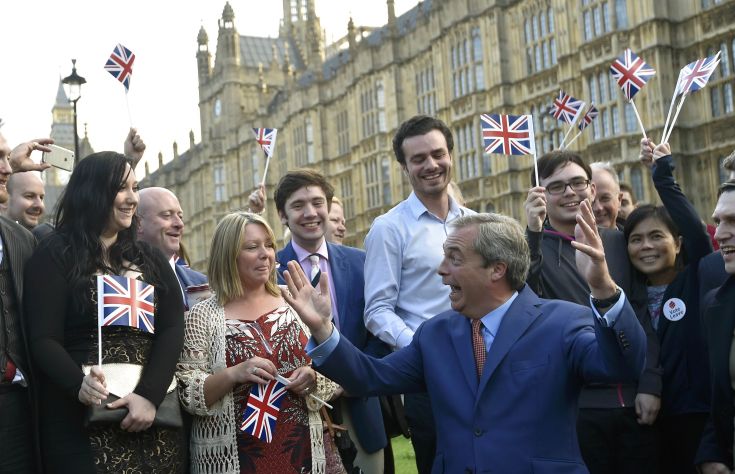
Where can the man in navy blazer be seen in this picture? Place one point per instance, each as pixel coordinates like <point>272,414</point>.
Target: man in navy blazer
<point>513,408</point>
<point>161,224</point>
<point>303,199</point>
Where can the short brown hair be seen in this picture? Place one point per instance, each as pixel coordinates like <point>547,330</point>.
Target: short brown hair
<point>297,179</point>
<point>554,160</point>
<point>416,126</point>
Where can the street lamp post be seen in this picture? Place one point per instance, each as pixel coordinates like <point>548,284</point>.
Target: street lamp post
<point>73,83</point>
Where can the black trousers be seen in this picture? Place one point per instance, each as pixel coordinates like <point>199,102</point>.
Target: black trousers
<point>612,442</point>
<point>680,436</point>
<point>423,431</point>
<point>16,437</point>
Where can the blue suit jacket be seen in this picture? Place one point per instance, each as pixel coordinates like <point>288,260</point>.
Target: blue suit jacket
<point>188,277</point>
<point>520,417</point>
<point>346,267</point>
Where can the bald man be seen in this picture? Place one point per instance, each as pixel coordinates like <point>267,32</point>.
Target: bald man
<point>162,226</point>
<point>26,205</point>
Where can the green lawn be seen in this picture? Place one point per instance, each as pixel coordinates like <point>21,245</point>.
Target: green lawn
<point>403,455</point>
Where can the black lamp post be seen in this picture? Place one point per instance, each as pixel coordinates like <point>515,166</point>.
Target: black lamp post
<point>73,83</point>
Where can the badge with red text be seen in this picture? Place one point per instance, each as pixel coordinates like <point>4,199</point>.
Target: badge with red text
<point>674,309</point>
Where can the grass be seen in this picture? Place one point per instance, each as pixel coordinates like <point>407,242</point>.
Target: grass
<point>405,460</point>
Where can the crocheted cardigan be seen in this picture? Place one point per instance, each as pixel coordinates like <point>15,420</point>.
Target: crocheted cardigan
<point>213,434</point>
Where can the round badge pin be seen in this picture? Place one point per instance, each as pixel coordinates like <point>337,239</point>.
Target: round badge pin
<point>674,309</point>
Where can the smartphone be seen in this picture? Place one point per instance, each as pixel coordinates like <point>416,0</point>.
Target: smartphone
<point>59,157</point>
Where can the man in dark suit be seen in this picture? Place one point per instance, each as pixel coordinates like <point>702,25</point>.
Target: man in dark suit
<point>512,408</point>
<point>715,454</point>
<point>162,226</point>
<point>303,198</point>
<point>16,246</point>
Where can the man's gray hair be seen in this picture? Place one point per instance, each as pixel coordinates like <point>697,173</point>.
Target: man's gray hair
<point>606,166</point>
<point>728,163</point>
<point>500,239</point>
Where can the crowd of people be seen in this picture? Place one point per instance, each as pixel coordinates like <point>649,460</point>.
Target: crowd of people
<point>597,339</point>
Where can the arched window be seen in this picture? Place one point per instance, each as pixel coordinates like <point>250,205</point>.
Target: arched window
<point>636,182</point>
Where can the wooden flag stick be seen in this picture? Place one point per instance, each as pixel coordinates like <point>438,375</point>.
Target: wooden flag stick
<point>665,138</point>
<point>100,317</point>
<point>265,171</point>
<point>571,127</point>
<point>535,167</point>
<point>671,107</point>
<point>638,116</point>
<point>127,103</point>
<point>574,138</point>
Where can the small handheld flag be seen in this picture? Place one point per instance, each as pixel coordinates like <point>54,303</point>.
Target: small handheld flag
<point>692,77</point>
<point>508,134</point>
<point>262,410</point>
<point>123,301</point>
<point>584,122</point>
<point>120,64</point>
<point>266,138</point>
<point>631,73</point>
<point>588,117</point>
<point>566,108</point>
<point>126,302</point>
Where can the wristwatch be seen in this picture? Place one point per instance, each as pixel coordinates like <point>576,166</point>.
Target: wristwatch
<point>607,302</point>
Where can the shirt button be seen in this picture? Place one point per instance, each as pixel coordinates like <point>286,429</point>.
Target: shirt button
<point>478,432</point>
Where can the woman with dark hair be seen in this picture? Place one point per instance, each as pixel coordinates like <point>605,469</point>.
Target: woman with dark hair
<point>665,245</point>
<point>95,235</point>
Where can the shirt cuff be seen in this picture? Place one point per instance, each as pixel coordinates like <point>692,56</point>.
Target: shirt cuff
<point>404,338</point>
<point>611,315</point>
<point>320,352</point>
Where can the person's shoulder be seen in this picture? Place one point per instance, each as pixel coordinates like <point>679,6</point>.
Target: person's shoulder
<point>18,230</point>
<point>346,251</point>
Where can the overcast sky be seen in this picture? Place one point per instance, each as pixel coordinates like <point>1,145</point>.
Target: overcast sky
<point>39,38</point>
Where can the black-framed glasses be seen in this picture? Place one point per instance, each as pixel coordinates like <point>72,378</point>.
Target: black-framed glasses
<point>558,187</point>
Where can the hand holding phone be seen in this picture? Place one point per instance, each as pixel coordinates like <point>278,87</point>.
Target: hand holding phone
<point>60,157</point>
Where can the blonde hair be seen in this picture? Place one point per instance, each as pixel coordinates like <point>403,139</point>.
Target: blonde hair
<point>224,279</point>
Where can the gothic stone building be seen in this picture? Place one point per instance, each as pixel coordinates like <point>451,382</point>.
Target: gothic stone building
<point>337,106</point>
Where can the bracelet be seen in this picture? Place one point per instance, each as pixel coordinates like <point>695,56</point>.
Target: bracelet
<point>604,303</point>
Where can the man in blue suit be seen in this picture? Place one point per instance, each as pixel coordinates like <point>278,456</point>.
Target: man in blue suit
<point>303,198</point>
<point>162,225</point>
<point>504,367</point>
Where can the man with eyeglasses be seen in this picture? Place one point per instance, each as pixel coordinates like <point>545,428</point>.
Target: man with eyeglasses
<point>614,424</point>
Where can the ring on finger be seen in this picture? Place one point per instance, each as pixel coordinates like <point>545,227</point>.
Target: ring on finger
<point>253,370</point>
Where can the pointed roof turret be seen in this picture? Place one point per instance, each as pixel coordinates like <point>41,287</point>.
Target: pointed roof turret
<point>61,98</point>
<point>228,14</point>
<point>202,37</point>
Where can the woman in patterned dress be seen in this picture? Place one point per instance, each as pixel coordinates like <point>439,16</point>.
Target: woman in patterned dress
<point>245,335</point>
<point>95,234</point>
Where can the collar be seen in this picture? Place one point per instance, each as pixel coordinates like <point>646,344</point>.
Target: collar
<point>492,320</point>
<point>418,209</point>
<point>302,254</point>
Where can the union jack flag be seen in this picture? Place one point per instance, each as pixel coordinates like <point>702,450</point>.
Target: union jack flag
<point>120,64</point>
<point>125,301</point>
<point>631,73</point>
<point>566,108</point>
<point>266,137</point>
<point>694,76</point>
<point>591,114</point>
<point>508,134</point>
<point>261,412</point>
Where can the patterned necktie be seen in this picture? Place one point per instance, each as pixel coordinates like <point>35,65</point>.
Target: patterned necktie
<point>315,271</point>
<point>478,346</point>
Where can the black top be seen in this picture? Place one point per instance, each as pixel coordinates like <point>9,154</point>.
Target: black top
<point>683,351</point>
